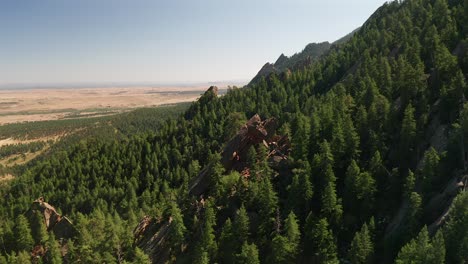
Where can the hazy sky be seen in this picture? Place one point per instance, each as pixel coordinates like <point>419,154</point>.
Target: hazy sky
<point>172,41</point>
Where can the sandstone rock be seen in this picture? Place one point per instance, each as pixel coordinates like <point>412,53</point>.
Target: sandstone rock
<point>54,222</point>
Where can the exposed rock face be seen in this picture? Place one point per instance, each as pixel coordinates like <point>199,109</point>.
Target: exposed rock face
<point>54,222</point>
<point>438,207</point>
<point>212,90</point>
<point>151,236</point>
<point>254,132</point>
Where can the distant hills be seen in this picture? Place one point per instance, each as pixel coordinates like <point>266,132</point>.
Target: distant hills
<point>309,54</point>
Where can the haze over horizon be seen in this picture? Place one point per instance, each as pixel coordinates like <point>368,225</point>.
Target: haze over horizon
<point>144,41</point>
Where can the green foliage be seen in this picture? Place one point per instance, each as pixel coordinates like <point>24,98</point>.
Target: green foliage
<point>248,255</point>
<point>292,233</point>
<point>177,228</point>
<point>362,247</point>
<point>323,243</point>
<point>22,234</point>
<point>456,230</point>
<point>423,250</point>
<point>54,256</point>
<point>141,257</point>
<point>359,120</point>
<point>38,228</point>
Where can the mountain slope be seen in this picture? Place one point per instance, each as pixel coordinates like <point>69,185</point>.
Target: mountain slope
<point>300,60</point>
<point>297,61</point>
<point>377,130</point>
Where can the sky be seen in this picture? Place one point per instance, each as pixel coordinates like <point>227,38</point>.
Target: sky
<point>163,42</point>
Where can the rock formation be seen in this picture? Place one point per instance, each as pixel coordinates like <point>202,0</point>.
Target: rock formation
<point>151,234</point>
<point>233,156</point>
<point>54,222</point>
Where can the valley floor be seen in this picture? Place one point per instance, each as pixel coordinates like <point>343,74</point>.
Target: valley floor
<point>64,103</point>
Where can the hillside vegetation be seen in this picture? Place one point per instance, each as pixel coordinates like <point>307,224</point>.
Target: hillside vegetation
<point>360,157</point>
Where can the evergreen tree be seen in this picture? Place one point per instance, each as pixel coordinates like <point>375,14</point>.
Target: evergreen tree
<point>324,246</point>
<point>22,232</point>
<point>407,137</point>
<point>54,256</point>
<point>280,250</point>
<point>227,243</point>
<point>38,228</point>
<point>177,228</point>
<point>141,257</point>
<point>331,204</point>
<point>293,234</point>
<point>430,169</point>
<point>362,247</point>
<point>248,254</point>
<point>241,225</point>
<point>421,250</point>
<point>456,230</point>
<point>206,245</point>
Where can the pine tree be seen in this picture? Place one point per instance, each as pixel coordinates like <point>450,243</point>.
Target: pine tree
<point>141,257</point>
<point>324,246</point>
<point>293,234</point>
<point>300,138</point>
<point>248,254</point>
<point>430,169</point>
<point>331,204</point>
<point>437,254</point>
<point>227,243</point>
<point>177,228</point>
<point>409,185</point>
<point>280,250</point>
<point>22,232</point>
<point>456,230</point>
<point>38,228</point>
<point>241,225</point>
<point>300,190</point>
<point>362,247</point>
<point>206,244</point>
<point>54,256</point>
<point>407,137</point>
<point>421,251</point>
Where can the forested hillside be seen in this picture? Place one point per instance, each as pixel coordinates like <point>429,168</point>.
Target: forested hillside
<point>360,157</point>
<point>298,61</point>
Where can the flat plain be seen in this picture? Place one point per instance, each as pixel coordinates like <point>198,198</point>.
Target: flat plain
<point>24,105</point>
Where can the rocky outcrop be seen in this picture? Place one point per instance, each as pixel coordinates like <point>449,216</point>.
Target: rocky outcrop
<point>254,132</point>
<point>233,156</point>
<point>54,222</point>
<point>438,208</point>
<point>151,236</point>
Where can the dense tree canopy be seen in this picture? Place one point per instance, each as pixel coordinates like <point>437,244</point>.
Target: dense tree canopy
<point>378,127</point>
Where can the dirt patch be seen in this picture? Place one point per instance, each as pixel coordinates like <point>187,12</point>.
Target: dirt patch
<point>20,159</point>
<point>6,177</point>
<point>12,141</point>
